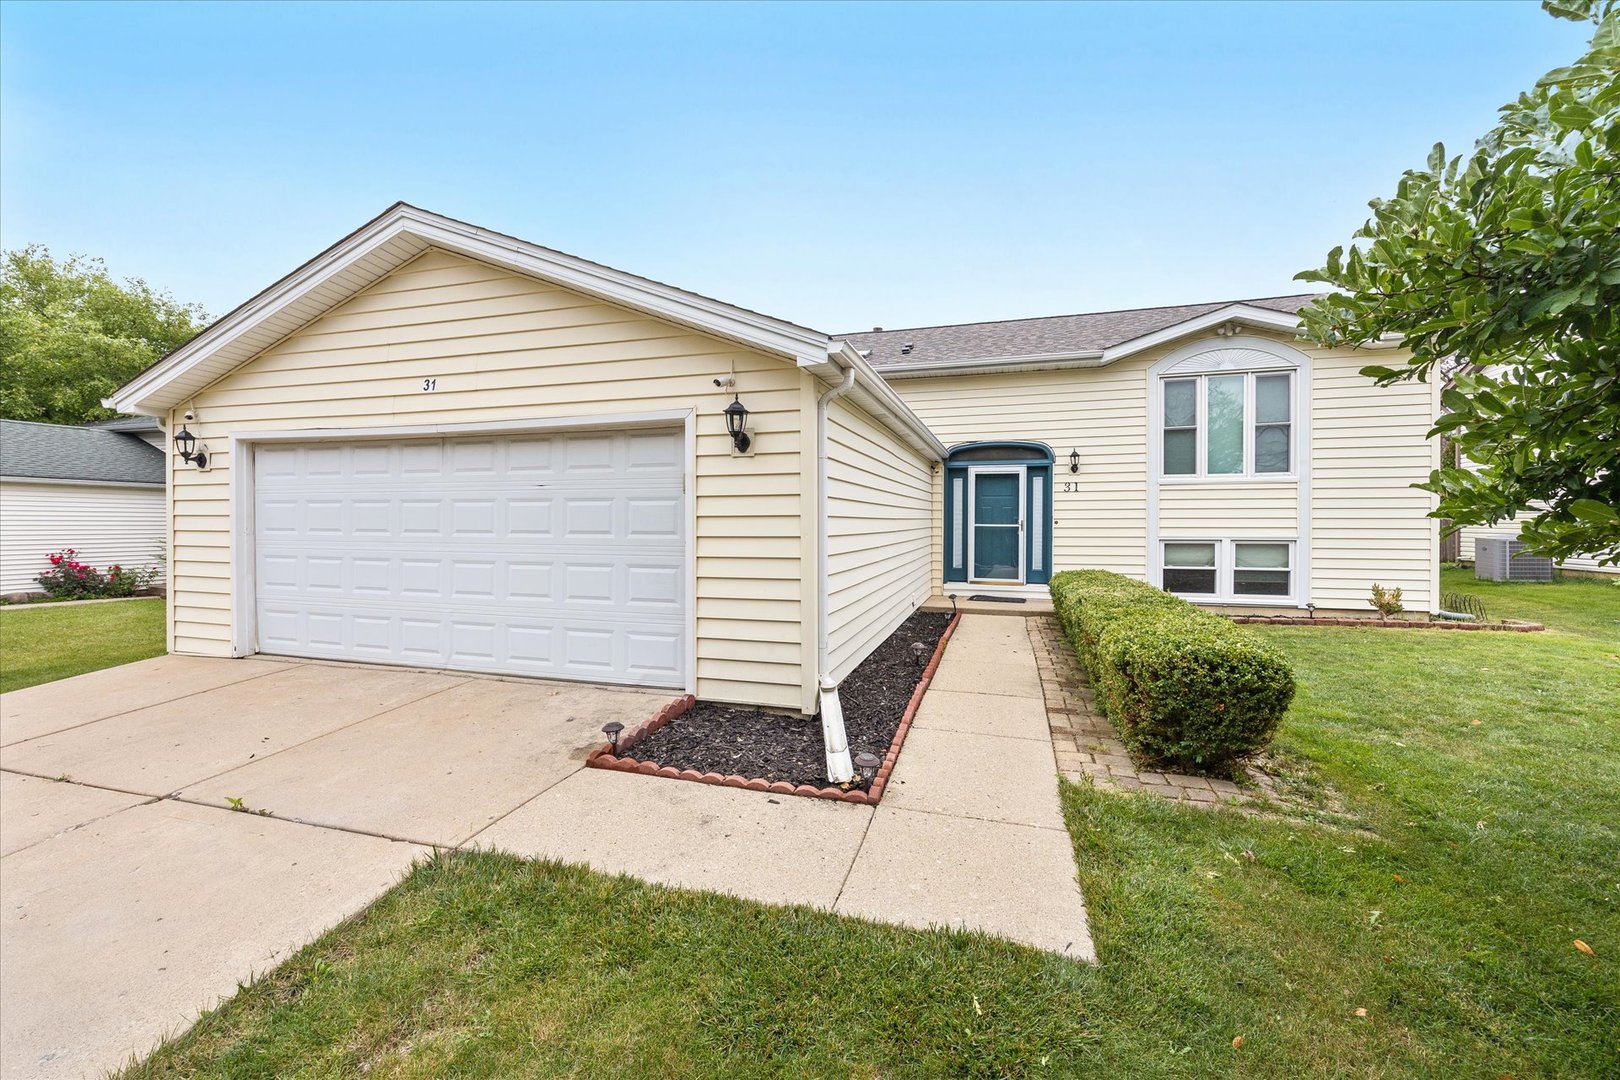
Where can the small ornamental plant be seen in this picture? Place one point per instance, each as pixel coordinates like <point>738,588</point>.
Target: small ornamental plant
<point>70,579</point>
<point>1386,602</point>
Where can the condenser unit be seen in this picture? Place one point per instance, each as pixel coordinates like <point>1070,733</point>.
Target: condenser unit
<point>1501,558</point>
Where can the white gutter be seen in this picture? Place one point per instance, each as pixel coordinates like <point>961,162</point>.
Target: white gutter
<point>839,768</point>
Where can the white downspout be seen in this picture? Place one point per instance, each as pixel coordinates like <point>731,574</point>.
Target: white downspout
<point>839,768</point>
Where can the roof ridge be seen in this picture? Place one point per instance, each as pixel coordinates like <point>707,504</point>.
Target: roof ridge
<point>1074,315</point>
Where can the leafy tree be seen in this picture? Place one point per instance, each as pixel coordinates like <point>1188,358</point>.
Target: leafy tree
<point>70,335</point>
<point>1508,261</point>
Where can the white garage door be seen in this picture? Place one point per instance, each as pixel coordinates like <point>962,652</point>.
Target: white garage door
<point>555,555</point>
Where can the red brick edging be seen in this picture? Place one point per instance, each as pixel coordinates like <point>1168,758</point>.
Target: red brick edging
<point>604,758</point>
<point>1397,624</point>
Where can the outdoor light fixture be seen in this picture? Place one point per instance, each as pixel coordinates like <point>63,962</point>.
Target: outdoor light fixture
<point>736,417</point>
<point>185,444</point>
<point>918,651</point>
<point>1074,461</point>
<point>611,729</point>
<point>866,766</point>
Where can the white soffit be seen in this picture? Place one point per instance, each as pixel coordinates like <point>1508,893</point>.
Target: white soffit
<point>392,239</point>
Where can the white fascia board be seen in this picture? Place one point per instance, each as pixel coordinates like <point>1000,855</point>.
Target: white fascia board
<point>1260,318</point>
<point>168,377</point>
<point>877,397</point>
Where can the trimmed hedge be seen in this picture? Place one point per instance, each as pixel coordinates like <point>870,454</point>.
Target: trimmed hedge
<point>1185,687</point>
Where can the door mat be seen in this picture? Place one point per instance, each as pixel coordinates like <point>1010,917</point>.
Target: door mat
<point>999,599</point>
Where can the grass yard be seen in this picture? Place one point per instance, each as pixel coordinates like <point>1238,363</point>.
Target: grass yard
<point>40,643</point>
<point>1446,909</point>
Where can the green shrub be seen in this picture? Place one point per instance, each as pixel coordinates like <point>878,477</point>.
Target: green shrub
<point>1185,687</point>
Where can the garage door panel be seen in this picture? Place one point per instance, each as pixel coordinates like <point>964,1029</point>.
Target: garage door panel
<point>568,646</point>
<point>557,555</point>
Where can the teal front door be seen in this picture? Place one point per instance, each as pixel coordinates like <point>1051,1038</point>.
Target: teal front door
<point>996,530</point>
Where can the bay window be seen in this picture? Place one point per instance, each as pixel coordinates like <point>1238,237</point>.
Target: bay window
<point>1219,424</point>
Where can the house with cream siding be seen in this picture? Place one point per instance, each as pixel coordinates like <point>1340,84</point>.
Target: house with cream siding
<point>439,446</point>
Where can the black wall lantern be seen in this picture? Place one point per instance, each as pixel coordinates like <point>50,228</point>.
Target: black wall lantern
<point>185,444</point>
<point>736,417</point>
<point>1074,461</point>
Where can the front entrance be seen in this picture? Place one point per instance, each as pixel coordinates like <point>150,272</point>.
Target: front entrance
<point>998,499</point>
<point>996,529</point>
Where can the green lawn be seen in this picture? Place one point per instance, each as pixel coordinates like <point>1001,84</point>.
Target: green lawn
<point>39,644</point>
<point>1447,911</point>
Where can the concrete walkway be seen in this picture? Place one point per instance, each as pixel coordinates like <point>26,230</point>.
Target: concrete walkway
<point>132,897</point>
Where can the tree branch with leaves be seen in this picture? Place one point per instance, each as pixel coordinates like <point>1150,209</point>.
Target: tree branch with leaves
<point>1500,270</point>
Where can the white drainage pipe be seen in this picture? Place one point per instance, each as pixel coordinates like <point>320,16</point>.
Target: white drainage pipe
<point>839,768</point>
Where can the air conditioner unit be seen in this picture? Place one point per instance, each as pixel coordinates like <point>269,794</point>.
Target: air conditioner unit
<point>1501,558</point>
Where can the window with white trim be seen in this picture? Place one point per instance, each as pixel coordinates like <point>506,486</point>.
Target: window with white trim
<point>1228,424</point>
<point>1190,567</point>
<point>1239,570</point>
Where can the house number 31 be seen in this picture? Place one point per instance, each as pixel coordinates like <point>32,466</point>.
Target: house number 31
<point>429,385</point>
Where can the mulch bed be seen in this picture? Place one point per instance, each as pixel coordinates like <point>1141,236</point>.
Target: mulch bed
<point>734,741</point>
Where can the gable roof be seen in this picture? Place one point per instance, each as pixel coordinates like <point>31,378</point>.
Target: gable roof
<point>64,452</point>
<point>1089,336</point>
<point>393,238</point>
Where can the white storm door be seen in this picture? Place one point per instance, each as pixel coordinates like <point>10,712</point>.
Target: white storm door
<point>560,555</point>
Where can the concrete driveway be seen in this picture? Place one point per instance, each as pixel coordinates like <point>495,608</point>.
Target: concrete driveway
<point>133,896</point>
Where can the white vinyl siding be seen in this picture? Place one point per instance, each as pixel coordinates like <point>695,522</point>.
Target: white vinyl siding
<point>506,349</point>
<point>1368,523</point>
<point>107,524</point>
<point>1367,447</point>
<point>1098,515</point>
<point>879,530</point>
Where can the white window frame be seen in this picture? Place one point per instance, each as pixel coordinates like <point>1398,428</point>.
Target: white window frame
<point>1239,352</point>
<point>1226,570</point>
<point>1250,427</point>
<point>1220,559</point>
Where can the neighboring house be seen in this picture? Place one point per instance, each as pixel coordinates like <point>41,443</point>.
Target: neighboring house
<point>97,489</point>
<point>441,446</point>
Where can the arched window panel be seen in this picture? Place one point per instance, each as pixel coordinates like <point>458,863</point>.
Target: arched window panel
<point>1229,411</point>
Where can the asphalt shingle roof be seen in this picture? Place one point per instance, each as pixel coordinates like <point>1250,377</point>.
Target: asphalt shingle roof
<point>64,452</point>
<point>1061,334</point>
<point>128,423</point>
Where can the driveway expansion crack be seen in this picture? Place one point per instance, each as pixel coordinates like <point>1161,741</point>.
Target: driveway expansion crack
<point>62,779</point>
<point>850,869</point>
<point>279,668</point>
<point>273,816</point>
<point>1059,827</point>
<point>470,837</point>
<point>322,735</point>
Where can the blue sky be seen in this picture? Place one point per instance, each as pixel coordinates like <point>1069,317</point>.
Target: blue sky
<point>843,166</point>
